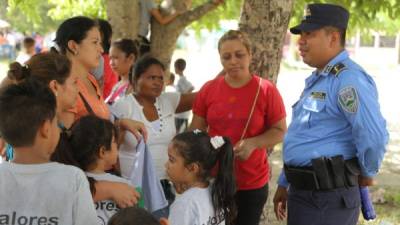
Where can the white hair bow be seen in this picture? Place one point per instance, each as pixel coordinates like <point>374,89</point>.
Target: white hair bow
<point>217,141</point>
<point>196,131</point>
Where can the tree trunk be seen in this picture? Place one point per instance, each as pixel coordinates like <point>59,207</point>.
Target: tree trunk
<point>123,16</point>
<point>163,37</point>
<point>266,23</point>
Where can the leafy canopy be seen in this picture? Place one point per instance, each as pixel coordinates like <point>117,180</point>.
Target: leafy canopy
<point>45,15</point>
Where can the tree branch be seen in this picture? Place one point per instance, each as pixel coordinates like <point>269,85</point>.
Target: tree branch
<point>192,15</point>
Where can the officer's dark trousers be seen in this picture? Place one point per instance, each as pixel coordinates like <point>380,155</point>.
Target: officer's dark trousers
<point>250,204</point>
<point>337,207</point>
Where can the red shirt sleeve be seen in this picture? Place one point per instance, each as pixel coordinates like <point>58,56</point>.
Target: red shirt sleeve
<point>200,102</point>
<point>275,110</point>
<point>110,79</point>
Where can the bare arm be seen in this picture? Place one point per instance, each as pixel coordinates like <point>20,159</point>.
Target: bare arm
<point>137,128</point>
<point>163,19</point>
<point>190,90</point>
<point>268,139</point>
<point>272,136</point>
<point>186,102</point>
<point>123,194</point>
<point>198,122</point>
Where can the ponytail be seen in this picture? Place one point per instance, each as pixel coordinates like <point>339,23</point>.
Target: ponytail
<point>43,67</point>
<point>212,153</point>
<point>55,50</point>
<point>224,187</point>
<point>63,154</point>
<point>18,72</point>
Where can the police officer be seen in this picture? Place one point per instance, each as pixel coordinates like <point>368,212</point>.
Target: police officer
<point>337,137</point>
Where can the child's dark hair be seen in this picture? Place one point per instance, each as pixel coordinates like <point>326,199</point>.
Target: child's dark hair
<point>28,42</point>
<point>142,65</point>
<point>144,45</point>
<point>127,46</point>
<point>106,34</point>
<point>88,135</point>
<point>196,147</point>
<point>43,67</point>
<point>23,109</point>
<point>75,29</point>
<point>180,64</point>
<point>133,216</point>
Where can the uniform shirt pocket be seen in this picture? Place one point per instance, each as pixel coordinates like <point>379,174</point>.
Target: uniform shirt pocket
<point>314,110</point>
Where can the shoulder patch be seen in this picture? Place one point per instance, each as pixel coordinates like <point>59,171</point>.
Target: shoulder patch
<point>348,99</point>
<point>337,69</point>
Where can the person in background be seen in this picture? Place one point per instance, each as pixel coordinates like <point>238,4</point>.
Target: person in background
<point>183,86</point>
<point>169,85</point>
<point>148,10</point>
<point>336,140</point>
<point>109,77</point>
<point>123,55</point>
<point>28,50</point>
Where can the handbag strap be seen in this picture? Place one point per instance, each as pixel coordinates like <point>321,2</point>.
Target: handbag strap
<point>252,108</point>
<point>87,106</point>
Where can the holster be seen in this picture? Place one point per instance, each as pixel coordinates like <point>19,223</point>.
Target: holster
<point>326,173</point>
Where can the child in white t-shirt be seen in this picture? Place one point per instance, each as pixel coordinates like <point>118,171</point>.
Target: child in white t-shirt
<point>192,158</point>
<point>93,145</point>
<point>34,190</point>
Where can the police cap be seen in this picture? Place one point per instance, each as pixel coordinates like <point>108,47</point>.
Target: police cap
<point>320,15</point>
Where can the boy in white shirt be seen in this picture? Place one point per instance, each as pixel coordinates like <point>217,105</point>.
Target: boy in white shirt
<point>28,50</point>
<point>183,86</point>
<point>34,190</point>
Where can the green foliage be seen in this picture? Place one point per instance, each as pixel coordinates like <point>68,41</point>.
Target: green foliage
<point>68,8</point>
<point>365,15</point>
<point>31,16</point>
<point>45,15</point>
<point>230,10</point>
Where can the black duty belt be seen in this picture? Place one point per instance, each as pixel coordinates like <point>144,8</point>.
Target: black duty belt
<point>326,173</point>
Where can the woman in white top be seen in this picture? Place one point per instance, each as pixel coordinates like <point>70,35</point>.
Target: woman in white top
<point>155,109</point>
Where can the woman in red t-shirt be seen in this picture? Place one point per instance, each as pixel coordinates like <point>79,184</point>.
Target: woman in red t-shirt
<point>250,111</point>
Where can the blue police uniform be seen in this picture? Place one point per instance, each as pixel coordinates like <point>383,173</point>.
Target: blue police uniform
<point>338,114</point>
